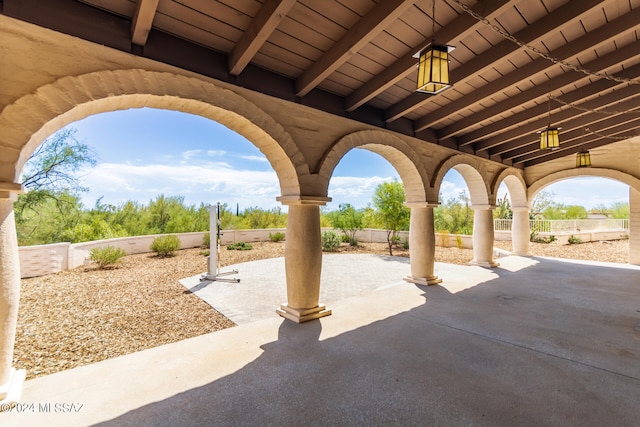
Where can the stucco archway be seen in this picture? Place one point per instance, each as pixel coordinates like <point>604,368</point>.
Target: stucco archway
<point>617,175</point>
<point>28,121</point>
<point>401,156</point>
<point>471,171</point>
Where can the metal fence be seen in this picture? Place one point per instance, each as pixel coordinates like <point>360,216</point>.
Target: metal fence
<point>566,225</point>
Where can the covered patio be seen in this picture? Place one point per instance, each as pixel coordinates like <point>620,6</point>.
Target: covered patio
<point>538,341</point>
<point>306,82</point>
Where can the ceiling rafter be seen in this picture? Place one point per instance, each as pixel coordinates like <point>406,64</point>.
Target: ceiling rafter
<point>564,15</point>
<point>581,141</point>
<point>142,21</point>
<point>379,18</point>
<point>459,28</point>
<point>261,27</point>
<point>587,42</point>
<point>567,120</point>
<point>504,141</point>
<point>535,93</point>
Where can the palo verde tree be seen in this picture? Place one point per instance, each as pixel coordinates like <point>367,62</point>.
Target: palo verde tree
<point>392,214</point>
<point>51,178</point>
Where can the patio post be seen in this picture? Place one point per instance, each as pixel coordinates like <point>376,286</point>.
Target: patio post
<point>303,260</point>
<point>11,380</point>
<point>422,245</point>
<point>520,231</point>
<point>483,236</point>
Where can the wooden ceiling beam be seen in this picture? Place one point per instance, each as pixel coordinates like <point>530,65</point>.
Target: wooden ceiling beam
<point>556,20</point>
<point>590,41</point>
<point>260,29</point>
<point>142,21</point>
<point>459,28</point>
<point>629,128</point>
<point>530,144</point>
<point>358,36</point>
<point>615,100</point>
<point>489,136</point>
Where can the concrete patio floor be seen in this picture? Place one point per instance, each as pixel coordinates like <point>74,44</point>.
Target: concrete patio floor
<point>536,341</point>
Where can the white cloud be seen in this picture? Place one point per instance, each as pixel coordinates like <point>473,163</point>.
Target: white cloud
<point>216,153</point>
<point>254,158</point>
<point>356,191</point>
<point>213,181</point>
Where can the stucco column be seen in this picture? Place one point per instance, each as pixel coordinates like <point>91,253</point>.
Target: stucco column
<point>520,231</point>
<point>11,380</point>
<point>634,226</point>
<point>422,245</point>
<point>303,261</point>
<point>483,236</point>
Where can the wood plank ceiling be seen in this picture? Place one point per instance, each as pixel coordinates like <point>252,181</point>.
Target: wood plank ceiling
<point>517,67</point>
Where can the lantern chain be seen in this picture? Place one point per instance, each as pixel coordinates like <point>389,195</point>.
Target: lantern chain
<point>507,35</point>
<point>589,110</point>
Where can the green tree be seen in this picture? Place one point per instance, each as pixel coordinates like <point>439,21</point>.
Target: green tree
<point>620,210</point>
<point>455,216</point>
<point>388,200</point>
<point>348,220</point>
<point>51,178</point>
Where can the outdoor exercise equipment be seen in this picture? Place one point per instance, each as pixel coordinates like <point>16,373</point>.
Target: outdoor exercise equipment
<point>214,274</point>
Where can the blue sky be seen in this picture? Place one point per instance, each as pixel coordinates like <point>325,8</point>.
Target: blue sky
<point>142,153</point>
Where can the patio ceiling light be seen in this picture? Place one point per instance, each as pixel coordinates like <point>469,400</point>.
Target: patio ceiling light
<point>433,63</point>
<point>583,159</point>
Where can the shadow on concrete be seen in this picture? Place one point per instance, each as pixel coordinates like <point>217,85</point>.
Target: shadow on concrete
<point>555,343</point>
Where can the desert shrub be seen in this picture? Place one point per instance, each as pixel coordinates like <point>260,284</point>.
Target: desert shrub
<point>206,252</point>
<point>206,240</point>
<point>405,245</point>
<point>106,256</point>
<point>278,236</point>
<point>459,242</point>
<point>549,239</point>
<point>165,246</point>
<point>330,241</point>
<point>240,246</point>
<point>445,239</point>
<point>574,240</point>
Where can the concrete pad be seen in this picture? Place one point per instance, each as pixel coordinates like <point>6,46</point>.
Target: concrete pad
<point>535,342</point>
<point>262,286</point>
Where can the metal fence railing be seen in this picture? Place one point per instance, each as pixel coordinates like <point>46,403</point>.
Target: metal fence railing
<point>567,225</point>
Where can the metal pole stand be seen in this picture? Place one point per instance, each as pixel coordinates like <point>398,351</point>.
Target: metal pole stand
<point>214,272</point>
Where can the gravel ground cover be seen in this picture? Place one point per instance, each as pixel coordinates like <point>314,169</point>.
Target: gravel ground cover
<point>85,315</point>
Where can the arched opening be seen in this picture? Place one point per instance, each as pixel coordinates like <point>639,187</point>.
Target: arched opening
<point>88,315</point>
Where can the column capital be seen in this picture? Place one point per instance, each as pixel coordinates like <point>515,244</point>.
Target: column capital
<point>483,207</point>
<point>303,200</point>
<point>10,190</point>
<point>422,204</point>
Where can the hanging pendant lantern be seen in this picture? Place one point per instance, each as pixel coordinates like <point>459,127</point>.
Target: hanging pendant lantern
<point>433,63</point>
<point>550,138</point>
<point>433,69</point>
<point>583,159</point>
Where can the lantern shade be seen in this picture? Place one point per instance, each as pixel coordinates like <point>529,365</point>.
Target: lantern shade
<point>433,69</point>
<point>549,139</point>
<point>583,159</point>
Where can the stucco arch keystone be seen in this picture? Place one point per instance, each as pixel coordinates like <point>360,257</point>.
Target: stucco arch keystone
<point>516,185</point>
<point>26,123</point>
<point>396,151</point>
<point>617,175</point>
<point>474,175</point>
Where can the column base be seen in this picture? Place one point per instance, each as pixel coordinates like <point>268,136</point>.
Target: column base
<point>11,391</point>
<point>486,264</point>
<point>527,254</point>
<point>303,315</point>
<point>431,280</point>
